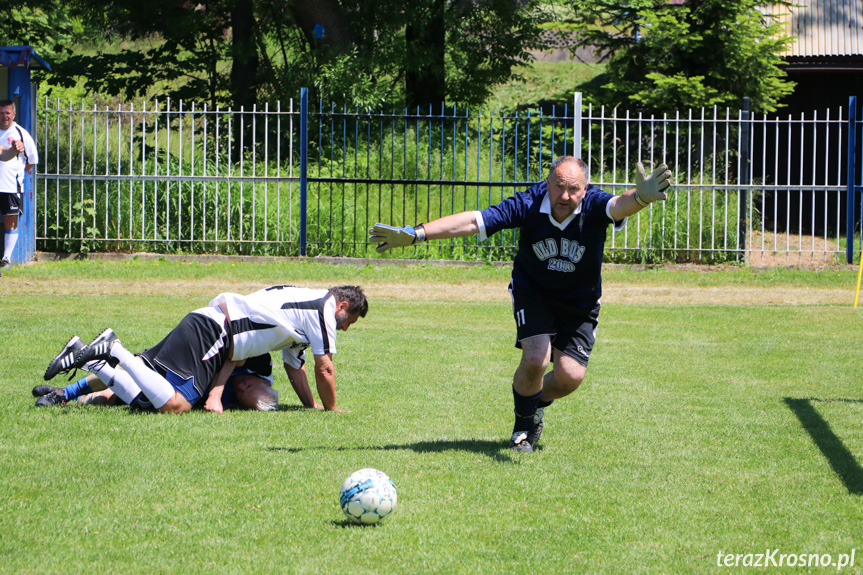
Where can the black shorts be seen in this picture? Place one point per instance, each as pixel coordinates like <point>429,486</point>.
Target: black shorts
<point>11,204</point>
<point>572,330</point>
<point>193,353</point>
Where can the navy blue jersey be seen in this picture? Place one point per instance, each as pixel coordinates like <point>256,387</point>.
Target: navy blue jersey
<point>559,261</point>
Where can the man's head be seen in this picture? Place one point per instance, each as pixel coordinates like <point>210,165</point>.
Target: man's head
<point>254,392</point>
<point>351,304</point>
<point>7,114</point>
<point>567,185</point>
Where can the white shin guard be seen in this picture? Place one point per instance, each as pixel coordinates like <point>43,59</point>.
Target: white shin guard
<point>155,387</point>
<point>117,380</point>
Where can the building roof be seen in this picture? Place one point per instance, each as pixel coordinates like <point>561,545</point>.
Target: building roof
<point>12,56</point>
<point>823,28</point>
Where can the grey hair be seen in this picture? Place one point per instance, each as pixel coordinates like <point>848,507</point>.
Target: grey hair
<point>560,160</point>
<point>268,400</point>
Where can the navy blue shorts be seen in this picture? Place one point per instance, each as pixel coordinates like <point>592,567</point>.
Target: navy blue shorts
<point>11,204</point>
<point>192,354</point>
<point>572,330</point>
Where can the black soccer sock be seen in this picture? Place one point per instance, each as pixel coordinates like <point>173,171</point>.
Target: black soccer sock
<point>525,407</point>
<point>545,403</point>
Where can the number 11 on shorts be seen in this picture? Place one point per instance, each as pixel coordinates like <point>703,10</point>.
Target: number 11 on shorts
<point>519,317</point>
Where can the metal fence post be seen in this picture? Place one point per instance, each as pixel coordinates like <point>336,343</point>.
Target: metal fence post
<point>743,178</point>
<point>304,168</point>
<point>852,159</point>
<point>576,126</point>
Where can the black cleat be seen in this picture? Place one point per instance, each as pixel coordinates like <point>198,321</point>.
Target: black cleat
<point>519,442</point>
<point>5,264</point>
<point>98,349</point>
<point>533,437</point>
<point>41,390</point>
<point>57,397</point>
<point>65,360</point>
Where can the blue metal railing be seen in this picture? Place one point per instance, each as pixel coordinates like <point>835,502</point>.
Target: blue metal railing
<point>311,180</point>
<point>853,186</point>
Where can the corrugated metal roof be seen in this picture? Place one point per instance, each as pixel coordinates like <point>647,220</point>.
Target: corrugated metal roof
<point>824,28</point>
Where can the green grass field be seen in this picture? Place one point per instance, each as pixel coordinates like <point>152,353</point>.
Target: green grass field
<point>722,412</point>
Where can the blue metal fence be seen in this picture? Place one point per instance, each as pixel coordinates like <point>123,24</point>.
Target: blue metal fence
<point>311,180</point>
<point>854,186</point>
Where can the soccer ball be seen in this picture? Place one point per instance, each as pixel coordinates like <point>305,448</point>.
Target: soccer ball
<point>367,496</point>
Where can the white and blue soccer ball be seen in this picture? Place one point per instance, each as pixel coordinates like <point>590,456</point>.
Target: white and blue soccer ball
<point>367,496</point>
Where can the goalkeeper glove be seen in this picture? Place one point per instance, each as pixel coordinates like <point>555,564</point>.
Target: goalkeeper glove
<point>649,189</point>
<point>389,237</point>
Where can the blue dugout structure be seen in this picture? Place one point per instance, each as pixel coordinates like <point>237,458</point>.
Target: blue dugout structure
<point>15,65</point>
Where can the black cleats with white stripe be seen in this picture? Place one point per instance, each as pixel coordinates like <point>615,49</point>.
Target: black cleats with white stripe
<point>5,264</point>
<point>519,442</point>
<point>43,389</point>
<point>98,350</point>
<point>57,397</point>
<point>65,360</point>
<point>533,437</point>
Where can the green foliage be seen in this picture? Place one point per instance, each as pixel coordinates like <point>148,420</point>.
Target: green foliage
<point>218,54</point>
<point>160,48</point>
<point>46,25</point>
<point>666,57</point>
<point>485,42</point>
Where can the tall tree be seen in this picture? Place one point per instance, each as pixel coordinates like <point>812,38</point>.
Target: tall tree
<point>238,52</point>
<point>668,56</point>
<point>425,54</point>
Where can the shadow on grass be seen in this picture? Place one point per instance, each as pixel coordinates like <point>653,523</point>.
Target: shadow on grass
<point>838,456</point>
<point>496,450</point>
<point>348,524</point>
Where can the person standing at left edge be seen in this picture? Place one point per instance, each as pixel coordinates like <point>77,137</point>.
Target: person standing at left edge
<point>12,177</point>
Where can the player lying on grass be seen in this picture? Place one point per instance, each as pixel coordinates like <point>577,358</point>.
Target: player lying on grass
<point>195,360</point>
<point>249,386</point>
<point>556,283</point>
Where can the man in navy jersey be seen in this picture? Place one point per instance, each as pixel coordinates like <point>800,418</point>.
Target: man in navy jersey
<point>556,283</point>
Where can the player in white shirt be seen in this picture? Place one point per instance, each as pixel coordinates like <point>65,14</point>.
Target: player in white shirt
<point>12,176</point>
<point>249,387</point>
<point>197,357</point>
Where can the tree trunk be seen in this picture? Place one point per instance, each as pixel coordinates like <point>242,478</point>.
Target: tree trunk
<point>425,75</point>
<point>244,70</point>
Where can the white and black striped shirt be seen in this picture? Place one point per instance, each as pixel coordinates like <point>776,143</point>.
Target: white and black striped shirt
<point>285,318</point>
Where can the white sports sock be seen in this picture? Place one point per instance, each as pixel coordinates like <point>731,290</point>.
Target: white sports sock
<point>155,387</point>
<point>11,239</point>
<point>117,380</point>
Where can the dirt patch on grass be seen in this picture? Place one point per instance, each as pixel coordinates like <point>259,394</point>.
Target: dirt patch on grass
<point>781,249</point>
<point>616,289</point>
<point>613,292</point>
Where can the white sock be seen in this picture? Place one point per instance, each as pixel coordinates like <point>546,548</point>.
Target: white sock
<point>155,387</point>
<point>11,239</point>
<point>117,380</point>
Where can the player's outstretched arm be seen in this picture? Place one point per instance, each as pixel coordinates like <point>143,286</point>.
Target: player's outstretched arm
<point>300,382</point>
<point>648,189</point>
<point>453,226</point>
